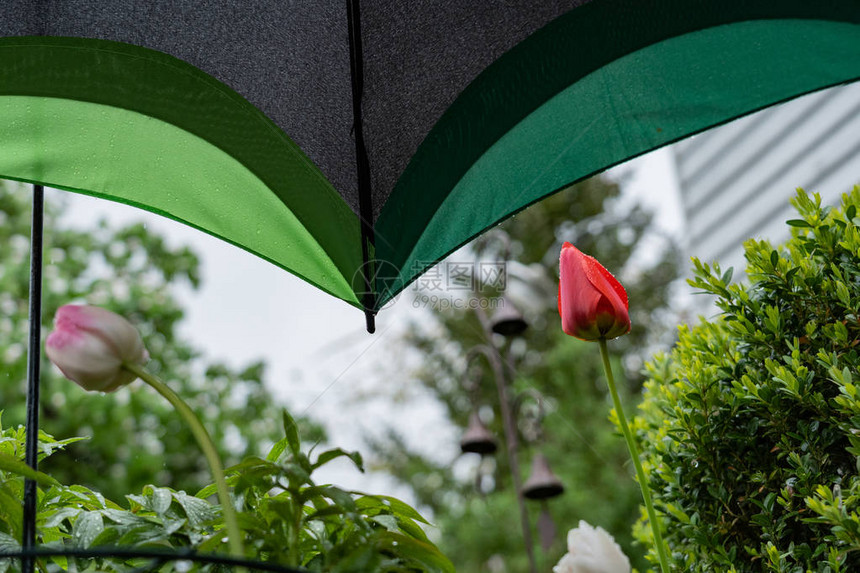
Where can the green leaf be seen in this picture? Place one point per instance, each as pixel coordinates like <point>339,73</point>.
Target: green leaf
<point>143,536</point>
<point>360,559</point>
<point>798,223</point>
<point>409,527</point>
<point>335,494</point>
<point>394,505</point>
<point>330,455</point>
<point>48,444</point>
<point>389,522</point>
<point>254,466</point>
<point>8,544</point>
<point>197,510</point>
<point>127,518</point>
<point>56,518</point>
<point>207,491</point>
<point>87,527</point>
<point>326,512</point>
<point>11,510</point>
<point>171,526</point>
<point>16,466</point>
<point>108,536</point>
<point>296,474</point>
<point>214,543</point>
<point>275,453</point>
<point>291,431</point>
<point>160,499</point>
<point>421,552</point>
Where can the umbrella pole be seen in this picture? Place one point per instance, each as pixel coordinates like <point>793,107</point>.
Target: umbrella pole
<point>34,355</point>
<point>365,197</point>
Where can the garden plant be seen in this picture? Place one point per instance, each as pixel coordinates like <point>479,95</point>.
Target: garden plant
<point>284,517</point>
<point>750,426</point>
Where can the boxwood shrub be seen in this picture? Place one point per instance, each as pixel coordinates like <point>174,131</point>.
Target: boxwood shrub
<point>750,426</point>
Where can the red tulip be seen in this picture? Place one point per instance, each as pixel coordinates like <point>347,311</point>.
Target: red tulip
<point>591,302</point>
<point>90,344</point>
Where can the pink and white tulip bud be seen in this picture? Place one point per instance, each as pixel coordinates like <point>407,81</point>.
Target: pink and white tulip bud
<point>592,550</point>
<point>89,345</point>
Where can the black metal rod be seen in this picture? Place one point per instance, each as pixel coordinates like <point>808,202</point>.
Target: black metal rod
<point>160,555</point>
<point>497,365</point>
<point>34,357</point>
<point>362,165</point>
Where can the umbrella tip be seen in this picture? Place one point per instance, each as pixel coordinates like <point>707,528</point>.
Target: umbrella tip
<point>370,318</point>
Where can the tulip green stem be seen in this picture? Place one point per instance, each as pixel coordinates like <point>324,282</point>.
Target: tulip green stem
<point>234,535</point>
<point>634,454</point>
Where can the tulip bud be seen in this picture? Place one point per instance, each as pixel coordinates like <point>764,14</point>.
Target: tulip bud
<point>592,550</point>
<point>591,302</point>
<point>89,345</point>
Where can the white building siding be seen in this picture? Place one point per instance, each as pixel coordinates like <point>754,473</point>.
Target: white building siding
<point>736,180</point>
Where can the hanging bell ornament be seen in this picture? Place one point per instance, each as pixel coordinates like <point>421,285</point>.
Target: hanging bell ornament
<point>477,439</point>
<point>542,484</point>
<point>507,320</point>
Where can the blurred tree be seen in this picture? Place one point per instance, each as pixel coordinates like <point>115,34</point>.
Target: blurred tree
<point>479,524</point>
<point>135,437</point>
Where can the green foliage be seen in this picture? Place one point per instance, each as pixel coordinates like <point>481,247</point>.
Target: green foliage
<point>285,516</point>
<point>480,525</point>
<point>750,426</point>
<point>135,437</point>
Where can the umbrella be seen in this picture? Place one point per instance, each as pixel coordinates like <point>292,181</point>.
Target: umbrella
<point>356,144</point>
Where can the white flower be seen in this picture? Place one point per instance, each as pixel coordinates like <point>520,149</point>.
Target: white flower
<point>592,550</point>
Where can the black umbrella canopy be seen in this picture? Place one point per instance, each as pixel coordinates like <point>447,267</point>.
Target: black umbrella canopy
<point>357,143</point>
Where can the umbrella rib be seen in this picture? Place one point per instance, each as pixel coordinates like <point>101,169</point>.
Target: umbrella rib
<point>365,199</point>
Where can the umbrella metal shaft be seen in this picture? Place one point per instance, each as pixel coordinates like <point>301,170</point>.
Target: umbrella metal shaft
<point>362,164</point>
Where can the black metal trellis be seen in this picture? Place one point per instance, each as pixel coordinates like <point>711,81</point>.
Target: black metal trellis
<point>157,557</point>
<point>34,356</point>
